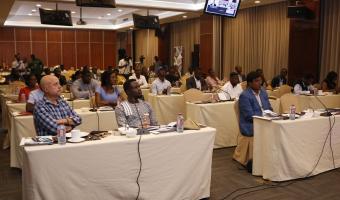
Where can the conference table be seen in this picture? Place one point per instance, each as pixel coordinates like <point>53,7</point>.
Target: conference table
<point>223,117</point>
<point>23,126</point>
<point>303,102</point>
<point>290,149</point>
<point>174,166</point>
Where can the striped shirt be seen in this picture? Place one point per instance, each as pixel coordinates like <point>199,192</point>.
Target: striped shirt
<point>46,114</point>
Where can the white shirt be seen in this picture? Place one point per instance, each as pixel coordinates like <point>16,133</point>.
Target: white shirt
<point>298,88</point>
<point>198,83</point>
<point>257,96</point>
<point>141,81</point>
<point>158,86</point>
<point>35,96</point>
<point>126,69</point>
<point>234,92</point>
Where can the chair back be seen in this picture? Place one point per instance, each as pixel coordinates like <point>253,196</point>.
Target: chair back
<point>287,100</point>
<point>193,95</point>
<point>284,89</point>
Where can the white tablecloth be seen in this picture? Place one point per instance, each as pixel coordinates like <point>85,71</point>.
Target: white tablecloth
<point>221,116</point>
<point>285,150</point>
<point>108,169</point>
<point>23,126</point>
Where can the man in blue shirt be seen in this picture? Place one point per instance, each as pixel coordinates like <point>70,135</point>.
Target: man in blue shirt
<point>52,110</point>
<point>252,102</point>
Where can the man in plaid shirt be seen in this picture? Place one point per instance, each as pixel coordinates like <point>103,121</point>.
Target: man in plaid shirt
<point>52,111</point>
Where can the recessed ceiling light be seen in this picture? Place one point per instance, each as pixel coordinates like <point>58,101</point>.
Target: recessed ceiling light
<point>38,5</point>
<point>34,10</point>
<point>257,2</point>
<point>108,14</point>
<point>131,28</point>
<point>184,16</point>
<point>30,14</point>
<point>99,17</point>
<point>120,10</point>
<point>73,12</point>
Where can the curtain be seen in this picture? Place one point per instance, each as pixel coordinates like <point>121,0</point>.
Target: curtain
<point>257,38</point>
<point>146,44</point>
<point>185,33</point>
<point>217,45</point>
<point>330,39</point>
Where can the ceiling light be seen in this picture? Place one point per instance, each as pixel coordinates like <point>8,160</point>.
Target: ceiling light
<point>108,14</point>
<point>30,14</point>
<point>184,16</point>
<point>120,10</point>
<point>34,10</point>
<point>73,12</point>
<point>38,5</point>
<point>257,2</point>
<point>131,28</point>
<point>99,17</point>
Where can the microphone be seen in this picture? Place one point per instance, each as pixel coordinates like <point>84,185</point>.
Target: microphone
<point>226,93</point>
<point>93,109</point>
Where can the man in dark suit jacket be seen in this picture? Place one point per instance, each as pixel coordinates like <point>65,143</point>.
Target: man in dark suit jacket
<point>281,79</point>
<point>252,102</point>
<point>196,81</point>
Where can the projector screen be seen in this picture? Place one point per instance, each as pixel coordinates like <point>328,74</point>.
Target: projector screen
<point>226,8</point>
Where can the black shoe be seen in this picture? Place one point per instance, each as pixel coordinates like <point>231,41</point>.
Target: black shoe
<point>249,166</point>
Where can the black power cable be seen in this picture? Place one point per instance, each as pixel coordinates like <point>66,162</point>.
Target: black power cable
<point>139,156</point>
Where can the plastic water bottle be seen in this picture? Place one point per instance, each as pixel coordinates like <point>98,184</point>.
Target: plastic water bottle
<point>180,123</point>
<point>146,120</point>
<point>292,110</point>
<point>61,134</point>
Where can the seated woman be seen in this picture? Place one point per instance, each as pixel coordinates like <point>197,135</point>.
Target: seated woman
<point>108,94</point>
<point>330,83</point>
<point>31,82</point>
<point>212,80</point>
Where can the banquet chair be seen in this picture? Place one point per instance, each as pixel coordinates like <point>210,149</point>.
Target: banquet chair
<point>287,100</point>
<point>244,85</point>
<point>193,95</point>
<point>284,89</point>
<point>244,149</point>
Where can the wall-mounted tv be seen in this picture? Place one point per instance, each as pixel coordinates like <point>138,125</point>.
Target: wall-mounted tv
<point>226,8</point>
<point>55,17</point>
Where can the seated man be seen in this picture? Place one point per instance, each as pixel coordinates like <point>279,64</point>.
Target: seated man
<point>132,111</point>
<point>85,86</point>
<point>139,78</point>
<point>252,102</point>
<point>52,111</point>
<point>281,79</point>
<point>233,87</point>
<point>34,97</point>
<point>161,85</point>
<point>305,84</point>
<point>197,81</point>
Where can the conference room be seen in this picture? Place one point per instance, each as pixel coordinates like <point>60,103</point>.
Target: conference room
<point>169,99</point>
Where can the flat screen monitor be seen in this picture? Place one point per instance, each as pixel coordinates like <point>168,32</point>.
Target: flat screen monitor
<point>146,22</point>
<point>55,17</point>
<point>226,8</point>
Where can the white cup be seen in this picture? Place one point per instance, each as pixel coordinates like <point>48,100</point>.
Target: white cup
<point>76,134</point>
<point>131,132</point>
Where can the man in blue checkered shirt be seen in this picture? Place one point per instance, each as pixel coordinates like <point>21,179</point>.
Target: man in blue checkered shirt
<point>52,111</point>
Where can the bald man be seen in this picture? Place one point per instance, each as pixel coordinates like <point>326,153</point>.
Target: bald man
<point>52,110</point>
